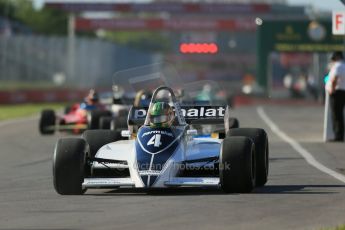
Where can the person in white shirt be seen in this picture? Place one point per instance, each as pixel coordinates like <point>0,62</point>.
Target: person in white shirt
<point>336,89</point>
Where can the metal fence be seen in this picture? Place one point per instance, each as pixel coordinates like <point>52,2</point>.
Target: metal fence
<point>34,59</point>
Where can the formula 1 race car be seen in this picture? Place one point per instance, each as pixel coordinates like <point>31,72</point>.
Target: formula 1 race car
<point>120,108</point>
<point>157,155</point>
<point>75,120</point>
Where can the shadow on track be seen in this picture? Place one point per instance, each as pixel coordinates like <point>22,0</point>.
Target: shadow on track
<point>274,159</point>
<point>159,192</point>
<point>268,189</point>
<point>298,189</point>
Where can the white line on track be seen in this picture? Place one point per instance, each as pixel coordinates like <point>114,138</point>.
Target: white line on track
<point>296,146</point>
<point>17,121</point>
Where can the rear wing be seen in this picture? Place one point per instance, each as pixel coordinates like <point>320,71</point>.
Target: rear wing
<point>211,115</point>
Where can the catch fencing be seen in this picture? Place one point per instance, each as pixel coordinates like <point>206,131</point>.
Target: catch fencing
<point>34,59</point>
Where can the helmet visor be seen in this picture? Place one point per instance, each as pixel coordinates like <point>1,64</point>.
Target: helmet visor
<point>159,119</point>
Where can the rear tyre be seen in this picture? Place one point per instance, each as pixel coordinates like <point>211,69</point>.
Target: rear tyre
<point>119,123</point>
<point>94,117</point>
<point>233,123</point>
<point>47,122</point>
<point>69,164</point>
<point>97,138</point>
<point>237,165</point>
<point>260,139</point>
<point>105,122</point>
<point>67,109</point>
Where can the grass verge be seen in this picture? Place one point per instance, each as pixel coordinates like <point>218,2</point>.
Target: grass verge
<point>24,110</point>
<point>340,227</point>
<point>20,85</point>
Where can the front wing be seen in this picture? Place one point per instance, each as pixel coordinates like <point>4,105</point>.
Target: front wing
<point>173,182</point>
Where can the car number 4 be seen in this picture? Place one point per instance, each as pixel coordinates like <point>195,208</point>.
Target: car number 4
<point>155,140</point>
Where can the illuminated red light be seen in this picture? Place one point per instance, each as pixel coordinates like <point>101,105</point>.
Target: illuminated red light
<point>200,48</point>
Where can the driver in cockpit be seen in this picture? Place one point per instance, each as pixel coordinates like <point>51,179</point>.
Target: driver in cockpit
<point>161,115</point>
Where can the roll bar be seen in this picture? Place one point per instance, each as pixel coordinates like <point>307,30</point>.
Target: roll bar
<point>178,112</point>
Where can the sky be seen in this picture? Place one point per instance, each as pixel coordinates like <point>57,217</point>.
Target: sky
<point>320,4</point>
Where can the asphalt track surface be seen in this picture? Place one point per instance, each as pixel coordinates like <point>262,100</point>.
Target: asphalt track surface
<point>297,196</point>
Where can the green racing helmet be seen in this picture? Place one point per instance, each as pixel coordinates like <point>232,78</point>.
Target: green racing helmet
<point>161,115</point>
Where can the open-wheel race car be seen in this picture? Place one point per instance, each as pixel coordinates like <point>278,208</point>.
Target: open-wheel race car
<point>76,118</point>
<point>119,109</point>
<point>164,150</point>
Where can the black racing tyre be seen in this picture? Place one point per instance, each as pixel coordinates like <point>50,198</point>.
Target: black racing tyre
<point>260,140</point>
<point>230,100</point>
<point>233,123</point>
<point>105,122</point>
<point>123,113</point>
<point>237,165</point>
<point>47,122</point>
<point>69,165</point>
<point>97,138</point>
<point>119,123</point>
<point>94,117</point>
<point>67,109</point>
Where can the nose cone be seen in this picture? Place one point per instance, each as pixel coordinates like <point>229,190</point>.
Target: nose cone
<point>149,180</point>
<point>154,146</point>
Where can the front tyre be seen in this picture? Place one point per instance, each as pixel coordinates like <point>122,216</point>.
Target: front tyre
<point>98,138</point>
<point>260,139</point>
<point>237,165</point>
<point>105,122</point>
<point>69,163</point>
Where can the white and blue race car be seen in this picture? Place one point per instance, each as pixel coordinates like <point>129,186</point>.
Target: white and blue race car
<point>235,160</point>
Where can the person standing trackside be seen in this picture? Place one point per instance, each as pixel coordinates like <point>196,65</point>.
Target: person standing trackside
<point>336,90</point>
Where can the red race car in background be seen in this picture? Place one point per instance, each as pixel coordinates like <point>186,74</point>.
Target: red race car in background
<point>76,119</point>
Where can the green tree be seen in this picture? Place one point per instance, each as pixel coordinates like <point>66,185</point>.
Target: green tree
<point>45,21</point>
<point>50,21</point>
<point>6,9</point>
